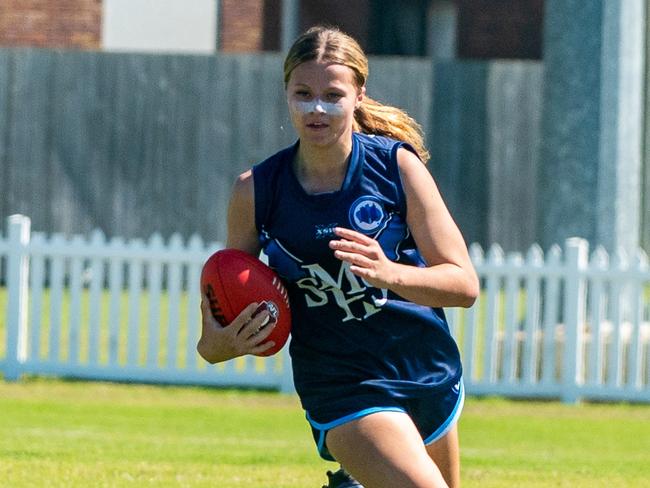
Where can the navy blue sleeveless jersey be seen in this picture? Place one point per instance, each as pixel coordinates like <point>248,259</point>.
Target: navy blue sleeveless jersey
<point>349,338</point>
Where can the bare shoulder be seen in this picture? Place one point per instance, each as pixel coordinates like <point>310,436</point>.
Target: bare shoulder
<point>242,233</point>
<point>432,226</point>
<point>414,172</point>
<point>406,158</point>
<point>244,185</point>
<point>242,198</point>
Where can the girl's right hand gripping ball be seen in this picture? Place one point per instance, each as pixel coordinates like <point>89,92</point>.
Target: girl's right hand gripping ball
<point>232,279</point>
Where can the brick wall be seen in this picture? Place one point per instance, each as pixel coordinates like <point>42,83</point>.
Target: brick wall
<point>241,25</point>
<point>51,23</point>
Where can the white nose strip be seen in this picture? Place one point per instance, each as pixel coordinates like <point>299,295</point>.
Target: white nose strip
<point>317,106</point>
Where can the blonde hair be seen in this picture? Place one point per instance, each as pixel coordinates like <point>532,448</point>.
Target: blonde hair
<point>330,45</point>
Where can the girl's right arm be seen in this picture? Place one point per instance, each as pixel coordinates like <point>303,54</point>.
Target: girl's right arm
<point>242,233</point>
<point>219,343</point>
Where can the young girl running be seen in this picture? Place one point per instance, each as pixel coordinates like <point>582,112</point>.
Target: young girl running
<point>352,220</point>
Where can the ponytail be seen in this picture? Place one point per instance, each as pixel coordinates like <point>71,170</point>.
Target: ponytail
<point>373,117</point>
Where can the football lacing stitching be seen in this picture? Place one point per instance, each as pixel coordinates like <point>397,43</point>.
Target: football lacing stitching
<point>281,288</point>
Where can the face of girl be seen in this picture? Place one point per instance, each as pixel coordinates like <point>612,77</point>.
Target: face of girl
<point>322,98</point>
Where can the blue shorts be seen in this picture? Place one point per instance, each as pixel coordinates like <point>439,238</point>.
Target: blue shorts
<point>433,415</point>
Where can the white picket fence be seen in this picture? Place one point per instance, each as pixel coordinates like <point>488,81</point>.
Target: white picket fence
<point>114,310</point>
<point>562,326</point>
<point>566,325</point>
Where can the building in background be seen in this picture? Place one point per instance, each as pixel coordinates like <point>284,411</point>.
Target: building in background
<point>469,29</point>
<point>159,25</point>
<point>51,23</point>
<point>588,116</point>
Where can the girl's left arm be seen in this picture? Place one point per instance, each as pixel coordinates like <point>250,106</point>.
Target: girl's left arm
<point>449,279</point>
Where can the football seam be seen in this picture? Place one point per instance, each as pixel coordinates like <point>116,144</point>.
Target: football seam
<point>225,297</point>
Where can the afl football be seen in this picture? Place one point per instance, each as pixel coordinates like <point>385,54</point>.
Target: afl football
<point>232,279</point>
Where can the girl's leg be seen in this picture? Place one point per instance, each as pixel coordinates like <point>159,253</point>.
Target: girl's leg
<point>445,454</point>
<point>384,450</point>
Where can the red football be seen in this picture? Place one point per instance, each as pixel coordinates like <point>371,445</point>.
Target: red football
<point>232,279</point>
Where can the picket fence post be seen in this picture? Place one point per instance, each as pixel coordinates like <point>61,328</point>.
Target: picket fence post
<point>576,262</point>
<point>17,289</point>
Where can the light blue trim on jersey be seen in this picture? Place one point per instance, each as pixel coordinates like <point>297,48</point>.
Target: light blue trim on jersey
<point>451,420</point>
<point>323,428</point>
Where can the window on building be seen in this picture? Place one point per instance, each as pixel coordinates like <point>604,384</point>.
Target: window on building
<point>500,29</point>
<point>398,28</point>
<point>160,25</point>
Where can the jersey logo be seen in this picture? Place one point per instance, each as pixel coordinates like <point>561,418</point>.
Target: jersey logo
<point>367,214</point>
<point>355,298</point>
<point>325,231</point>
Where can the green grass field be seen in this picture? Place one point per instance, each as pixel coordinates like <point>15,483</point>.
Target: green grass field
<point>75,434</point>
